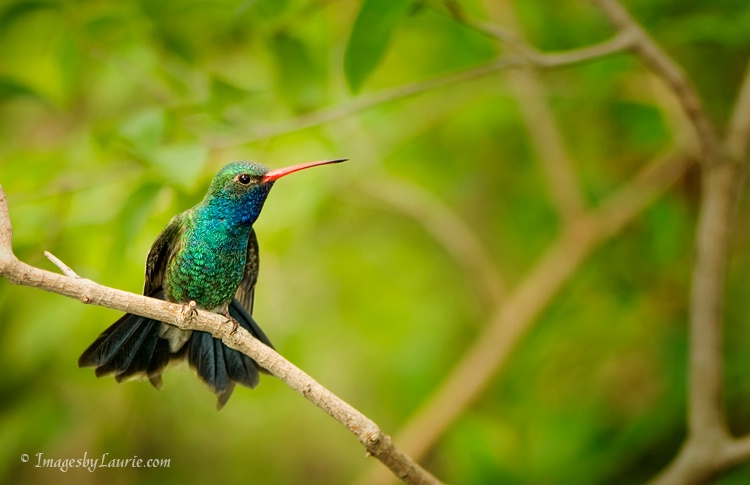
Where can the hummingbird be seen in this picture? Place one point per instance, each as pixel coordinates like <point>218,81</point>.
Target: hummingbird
<point>206,256</point>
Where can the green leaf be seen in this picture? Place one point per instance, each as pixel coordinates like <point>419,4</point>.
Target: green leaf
<point>10,88</point>
<point>369,38</point>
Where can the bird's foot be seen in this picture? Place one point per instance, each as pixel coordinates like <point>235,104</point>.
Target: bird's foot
<point>189,310</point>
<point>235,323</point>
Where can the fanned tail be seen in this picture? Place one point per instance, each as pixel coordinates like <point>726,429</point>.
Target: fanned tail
<point>221,367</point>
<point>130,347</point>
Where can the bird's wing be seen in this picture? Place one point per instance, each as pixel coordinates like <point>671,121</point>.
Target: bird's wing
<point>246,291</point>
<point>161,251</point>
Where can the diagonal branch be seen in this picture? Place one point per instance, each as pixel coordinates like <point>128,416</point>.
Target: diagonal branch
<point>666,68</point>
<point>363,103</point>
<point>367,431</point>
<point>618,43</point>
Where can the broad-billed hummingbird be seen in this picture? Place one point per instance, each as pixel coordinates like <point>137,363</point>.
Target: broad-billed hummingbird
<point>207,255</point>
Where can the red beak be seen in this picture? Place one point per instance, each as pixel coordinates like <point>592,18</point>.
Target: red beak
<point>280,172</point>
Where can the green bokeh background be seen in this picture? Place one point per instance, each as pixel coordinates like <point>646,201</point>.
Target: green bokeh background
<point>114,116</point>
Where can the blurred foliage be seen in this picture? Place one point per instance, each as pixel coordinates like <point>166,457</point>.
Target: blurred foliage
<point>370,36</point>
<point>110,114</point>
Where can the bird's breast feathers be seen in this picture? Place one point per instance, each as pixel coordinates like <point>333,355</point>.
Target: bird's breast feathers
<point>206,269</point>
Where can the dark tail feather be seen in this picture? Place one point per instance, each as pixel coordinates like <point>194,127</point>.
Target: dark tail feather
<point>207,357</point>
<point>131,346</point>
<point>221,367</point>
<point>106,345</point>
<point>150,356</point>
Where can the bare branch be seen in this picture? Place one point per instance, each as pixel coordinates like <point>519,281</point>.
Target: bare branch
<point>63,267</point>
<point>571,57</point>
<point>363,103</point>
<point>619,43</point>
<point>709,448</point>
<point>665,67</point>
<point>701,460</point>
<point>492,30</point>
<point>511,320</point>
<point>6,234</point>
<point>369,434</point>
<point>707,301</point>
<point>533,57</point>
<point>737,451</point>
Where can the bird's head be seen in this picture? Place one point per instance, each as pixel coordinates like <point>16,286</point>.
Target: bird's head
<point>241,188</point>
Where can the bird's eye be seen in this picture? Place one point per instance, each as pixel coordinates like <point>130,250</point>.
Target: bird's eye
<point>243,178</point>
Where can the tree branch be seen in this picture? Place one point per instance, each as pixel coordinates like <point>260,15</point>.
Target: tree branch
<point>618,43</point>
<point>654,57</point>
<point>369,434</point>
<point>709,448</point>
<point>737,451</point>
<point>363,103</point>
<point>67,271</point>
<point>707,301</point>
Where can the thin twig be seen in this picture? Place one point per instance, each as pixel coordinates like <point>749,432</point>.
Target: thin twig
<point>533,57</point>
<point>6,234</point>
<point>363,103</point>
<point>666,68</point>
<point>506,36</point>
<point>375,441</point>
<point>618,43</point>
<point>63,267</point>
